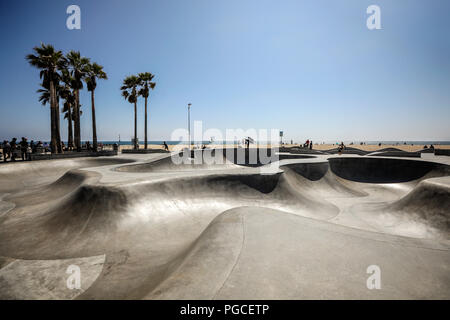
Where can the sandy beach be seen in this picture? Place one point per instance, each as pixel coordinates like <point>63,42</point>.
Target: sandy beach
<point>366,147</point>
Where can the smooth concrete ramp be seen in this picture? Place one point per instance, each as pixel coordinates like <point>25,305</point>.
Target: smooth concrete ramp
<point>306,230</point>
<point>260,253</point>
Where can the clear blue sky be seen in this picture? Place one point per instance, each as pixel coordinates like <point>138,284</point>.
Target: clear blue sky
<point>311,68</point>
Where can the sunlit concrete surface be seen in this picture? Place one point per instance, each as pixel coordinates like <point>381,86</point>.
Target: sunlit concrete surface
<point>47,279</point>
<point>140,227</point>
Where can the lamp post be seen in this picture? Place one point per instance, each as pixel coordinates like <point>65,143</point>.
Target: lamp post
<point>189,124</point>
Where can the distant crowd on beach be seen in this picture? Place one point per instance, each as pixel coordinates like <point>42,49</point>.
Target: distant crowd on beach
<point>341,146</point>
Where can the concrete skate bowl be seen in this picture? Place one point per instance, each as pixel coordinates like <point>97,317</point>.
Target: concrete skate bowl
<point>423,211</point>
<point>384,170</point>
<point>212,159</point>
<point>234,233</point>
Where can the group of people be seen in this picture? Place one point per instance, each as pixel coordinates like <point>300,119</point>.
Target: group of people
<point>308,144</point>
<point>12,149</point>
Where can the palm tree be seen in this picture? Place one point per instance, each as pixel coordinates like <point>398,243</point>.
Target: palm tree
<point>68,95</point>
<point>145,81</point>
<point>94,72</point>
<point>68,114</point>
<point>44,98</point>
<point>129,92</point>
<point>69,102</point>
<point>48,60</point>
<point>77,65</point>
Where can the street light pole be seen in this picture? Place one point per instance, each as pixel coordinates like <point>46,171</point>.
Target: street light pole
<point>189,124</point>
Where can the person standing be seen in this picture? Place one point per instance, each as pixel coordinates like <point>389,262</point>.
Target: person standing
<point>24,148</point>
<point>13,149</point>
<point>33,146</point>
<point>6,150</point>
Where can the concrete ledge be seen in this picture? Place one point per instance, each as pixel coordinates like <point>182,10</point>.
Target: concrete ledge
<point>299,150</point>
<point>442,152</point>
<point>144,151</point>
<point>428,150</point>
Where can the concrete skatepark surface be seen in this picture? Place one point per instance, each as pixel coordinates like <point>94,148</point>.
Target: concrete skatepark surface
<point>140,227</point>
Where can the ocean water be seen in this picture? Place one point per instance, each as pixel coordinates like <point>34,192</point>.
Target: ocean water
<point>355,142</point>
<point>422,143</point>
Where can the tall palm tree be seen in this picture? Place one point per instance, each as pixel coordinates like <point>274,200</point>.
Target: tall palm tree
<point>129,92</point>
<point>47,59</point>
<point>44,98</point>
<point>77,65</point>
<point>145,79</point>
<point>68,114</point>
<point>68,95</point>
<point>94,72</point>
<point>69,102</point>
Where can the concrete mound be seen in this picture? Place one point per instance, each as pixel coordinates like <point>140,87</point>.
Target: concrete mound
<point>37,173</point>
<point>79,224</point>
<point>428,202</point>
<point>62,186</point>
<point>301,150</point>
<point>348,150</point>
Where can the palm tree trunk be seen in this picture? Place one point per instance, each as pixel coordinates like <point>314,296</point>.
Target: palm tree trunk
<point>145,122</point>
<point>70,133</point>
<point>77,121</point>
<point>94,127</point>
<point>136,145</point>
<point>52,118</point>
<point>58,127</point>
